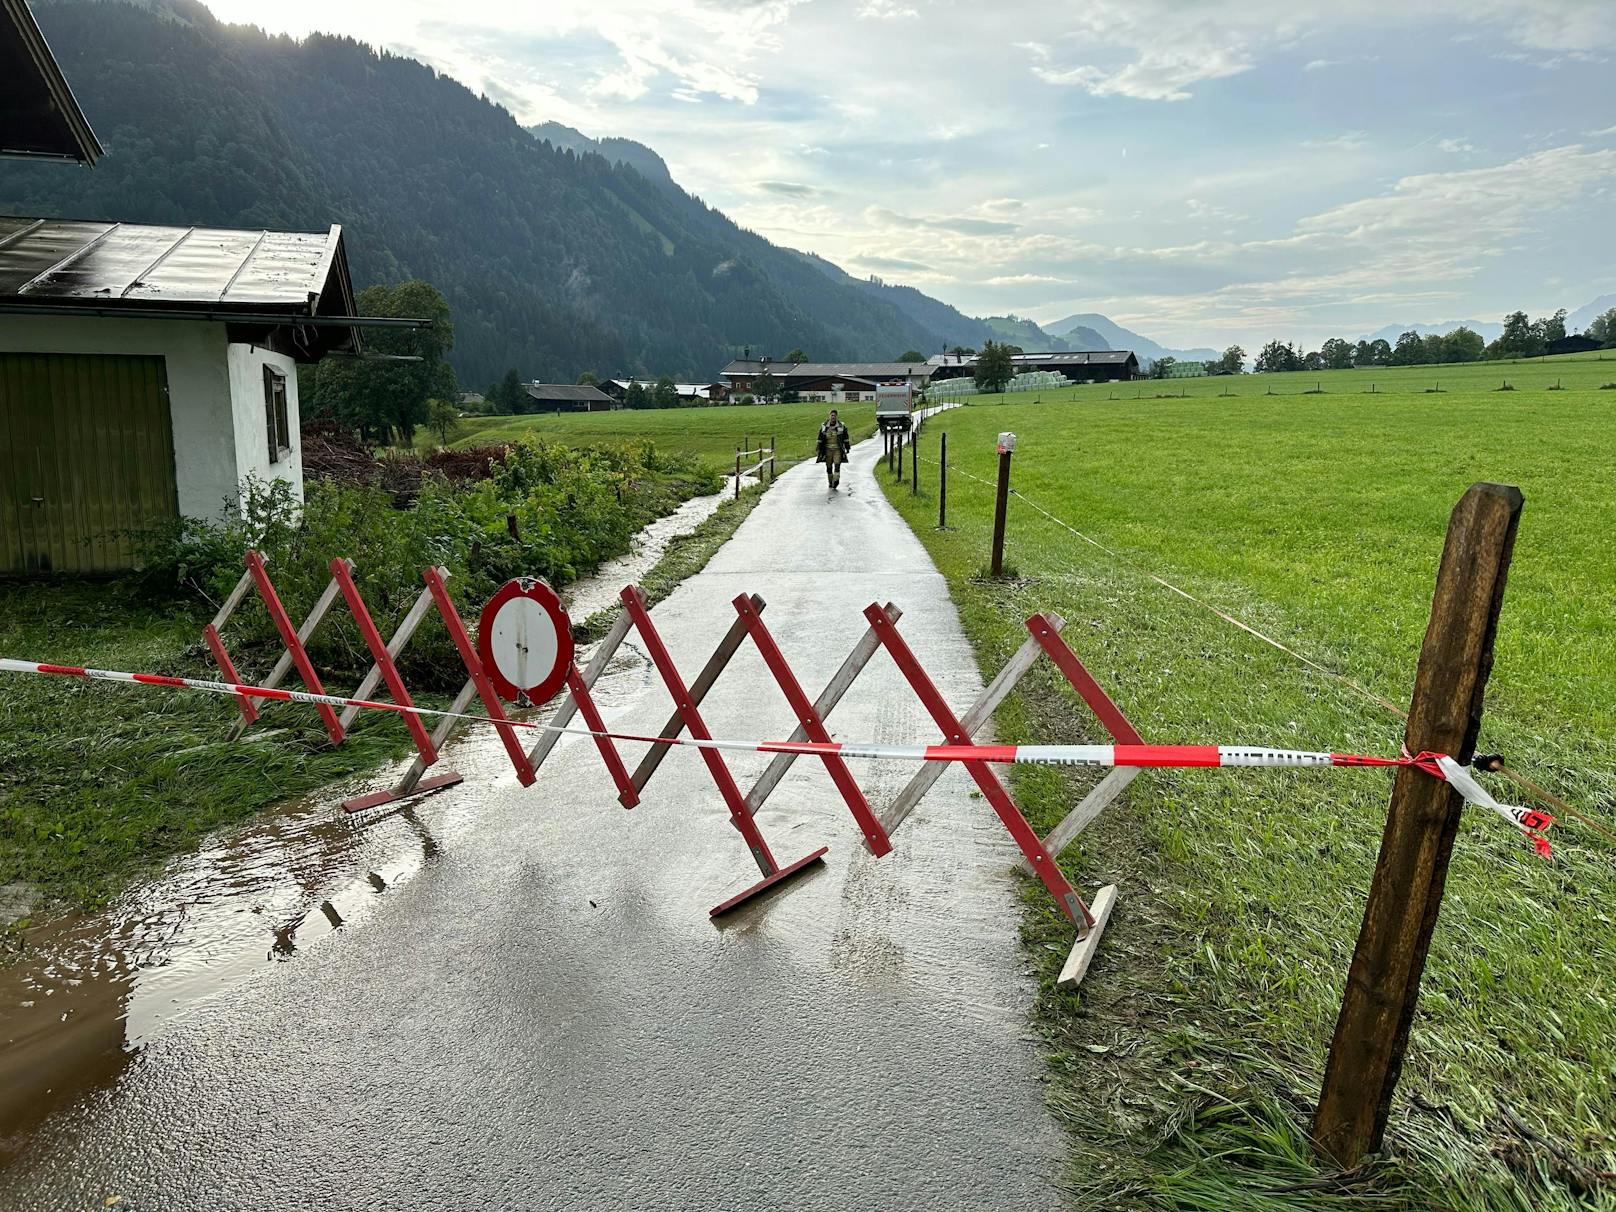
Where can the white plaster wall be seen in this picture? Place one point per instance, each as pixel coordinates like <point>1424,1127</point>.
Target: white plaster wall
<point>199,390</point>
<point>246,365</point>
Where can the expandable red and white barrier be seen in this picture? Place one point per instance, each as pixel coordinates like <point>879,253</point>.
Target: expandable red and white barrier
<point>524,654</point>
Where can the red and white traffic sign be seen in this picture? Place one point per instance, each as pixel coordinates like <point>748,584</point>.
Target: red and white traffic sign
<point>525,641</point>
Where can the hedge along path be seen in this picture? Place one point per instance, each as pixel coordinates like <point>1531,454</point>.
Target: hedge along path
<point>1492,763</point>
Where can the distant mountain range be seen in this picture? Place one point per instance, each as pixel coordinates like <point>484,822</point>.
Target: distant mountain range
<point>1090,326</point>
<point>1488,330</point>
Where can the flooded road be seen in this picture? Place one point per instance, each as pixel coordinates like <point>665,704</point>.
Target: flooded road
<point>94,989</point>
<point>537,1011</point>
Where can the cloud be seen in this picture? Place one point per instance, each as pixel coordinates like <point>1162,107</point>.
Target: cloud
<point>1314,65</point>
<point>885,10</point>
<point>1457,147</point>
<point>1600,134</point>
<point>1028,280</point>
<point>1352,140</point>
<point>898,263</point>
<point>792,189</point>
<point>960,224</point>
<point>1157,50</point>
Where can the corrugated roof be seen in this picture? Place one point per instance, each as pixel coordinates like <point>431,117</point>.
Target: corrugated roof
<point>39,116</point>
<point>137,265</point>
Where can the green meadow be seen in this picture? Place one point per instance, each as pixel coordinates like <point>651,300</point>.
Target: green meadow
<point>714,433</point>
<point>1187,1064</point>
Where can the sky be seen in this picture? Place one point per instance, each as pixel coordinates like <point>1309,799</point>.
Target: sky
<point>1203,173</point>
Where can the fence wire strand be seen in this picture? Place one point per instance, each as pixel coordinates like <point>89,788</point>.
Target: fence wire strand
<point>1542,794</point>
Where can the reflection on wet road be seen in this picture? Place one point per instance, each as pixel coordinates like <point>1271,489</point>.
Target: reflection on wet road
<point>93,989</point>
<point>542,1014</point>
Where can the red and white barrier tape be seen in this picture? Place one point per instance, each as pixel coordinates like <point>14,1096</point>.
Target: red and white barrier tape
<point>1439,765</point>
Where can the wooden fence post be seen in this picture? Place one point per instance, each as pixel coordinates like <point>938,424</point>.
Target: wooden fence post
<point>942,481</point>
<point>1007,446</point>
<point>1371,1033</point>
<point>901,438</point>
<point>737,474</point>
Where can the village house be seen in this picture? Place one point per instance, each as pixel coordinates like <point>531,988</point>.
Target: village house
<point>832,382</point>
<point>148,373</point>
<point>568,397</point>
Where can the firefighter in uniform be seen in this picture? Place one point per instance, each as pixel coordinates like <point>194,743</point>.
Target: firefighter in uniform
<point>834,443</point>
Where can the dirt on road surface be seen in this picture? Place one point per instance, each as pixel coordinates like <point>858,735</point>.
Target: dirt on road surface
<point>542,1015</point>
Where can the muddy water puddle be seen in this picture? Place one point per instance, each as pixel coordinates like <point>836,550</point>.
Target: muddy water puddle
<point>94,988</point>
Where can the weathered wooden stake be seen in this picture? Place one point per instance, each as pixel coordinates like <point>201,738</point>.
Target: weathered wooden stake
<point>942,480</point>
<point>901,437</point>
<point>1007,446</point>
<point>914,462</point>
<point>737,475</point>
<point>1371,1034</point>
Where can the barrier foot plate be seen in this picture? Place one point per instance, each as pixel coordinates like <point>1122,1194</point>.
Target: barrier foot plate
<point>375,799</point>
<point>1077,963</point>
<point>772,881</point>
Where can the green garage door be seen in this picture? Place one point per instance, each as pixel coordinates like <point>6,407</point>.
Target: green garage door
<point>86,456</point>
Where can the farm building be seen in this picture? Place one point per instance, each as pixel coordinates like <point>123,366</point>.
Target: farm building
<point>1574,343</point>
<point>569,397</point>
<point>1096,366</point>
<point>817,380</point>
<point>147,372</point>
<point>689,393</point>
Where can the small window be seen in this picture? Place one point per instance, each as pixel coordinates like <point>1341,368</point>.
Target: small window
<point>276,422</point>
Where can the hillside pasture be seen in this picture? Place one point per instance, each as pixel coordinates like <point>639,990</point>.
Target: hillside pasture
<point>1187,1064</point>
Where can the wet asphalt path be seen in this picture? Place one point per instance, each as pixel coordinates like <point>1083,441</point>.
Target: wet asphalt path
<point>544,1016</point>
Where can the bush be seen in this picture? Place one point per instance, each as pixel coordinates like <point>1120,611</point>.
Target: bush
<point>574,508</point>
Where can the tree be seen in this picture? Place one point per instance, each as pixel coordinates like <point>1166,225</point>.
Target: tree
<point>1233,362</point>
<point>588,379</point>
<point>1312,360</point>
<point>910,355</point>
<point>1603,328</point>
<point>386,400</point>
<point>1550,329</point>
<point>1409,350</point>
<point>1380,352</point>
<point>796,357</point>
<point>508,395</point>
<point>1517,340</point>
<point>995,366</point>
<point>1160,367</point>
<point>665,394</point>
<point>1337,354</point>
<point>766,386</point>
<point>443,419</point>
<point>637,396</point>
<point>1462,345</point>
<point>1278,355</point>
<point>963,351</point>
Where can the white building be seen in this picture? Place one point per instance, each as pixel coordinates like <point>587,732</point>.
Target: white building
<point>147,373</point>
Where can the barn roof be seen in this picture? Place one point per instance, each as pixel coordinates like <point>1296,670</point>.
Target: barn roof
<point>820,370</point>
<point>39,117</point>
<point>257,278</point>
<point>576,392</point>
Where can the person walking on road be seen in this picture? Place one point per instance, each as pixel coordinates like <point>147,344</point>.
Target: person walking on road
<point>834,443</point>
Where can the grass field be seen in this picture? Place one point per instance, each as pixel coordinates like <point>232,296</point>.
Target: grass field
<point>712,433</point>
<point>1187,1065</point>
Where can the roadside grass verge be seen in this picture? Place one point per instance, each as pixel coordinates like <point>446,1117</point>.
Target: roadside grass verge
<point>1187,1065</point>
<point>100,783</point>
<point>713,434</point>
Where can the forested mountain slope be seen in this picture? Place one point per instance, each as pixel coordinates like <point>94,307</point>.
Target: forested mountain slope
<point>553,262</point>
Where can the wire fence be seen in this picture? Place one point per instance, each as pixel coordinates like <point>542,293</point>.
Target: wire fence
<point>1525,783</point>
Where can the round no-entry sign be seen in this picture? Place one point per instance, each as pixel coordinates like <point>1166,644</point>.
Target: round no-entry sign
<point>525,641</point>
